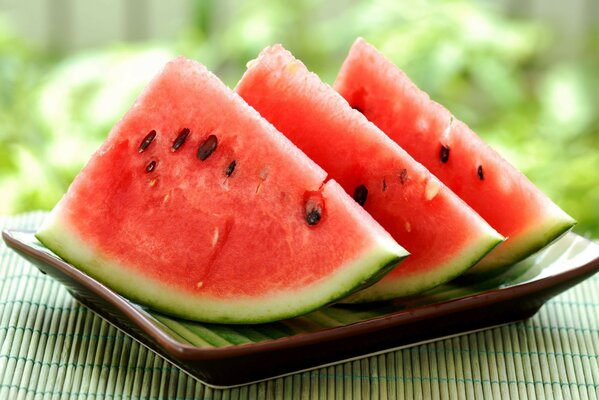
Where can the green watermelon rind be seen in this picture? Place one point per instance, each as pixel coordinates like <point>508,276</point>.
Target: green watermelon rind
<point>443,273</point>
<point>356,274</point>
<point>541,234</point>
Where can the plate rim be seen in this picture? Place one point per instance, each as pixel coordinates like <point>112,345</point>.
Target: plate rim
<point>189,352</point>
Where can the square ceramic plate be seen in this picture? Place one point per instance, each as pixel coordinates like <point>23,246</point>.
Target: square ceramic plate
<point>228,355</point>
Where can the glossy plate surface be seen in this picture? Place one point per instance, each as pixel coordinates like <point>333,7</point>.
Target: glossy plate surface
<point>226,355</point>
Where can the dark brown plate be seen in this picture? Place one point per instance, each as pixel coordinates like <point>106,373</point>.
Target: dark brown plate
<point>227,355</point>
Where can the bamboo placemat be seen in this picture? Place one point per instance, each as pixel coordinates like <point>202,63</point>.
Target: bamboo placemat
<point>53,348</point>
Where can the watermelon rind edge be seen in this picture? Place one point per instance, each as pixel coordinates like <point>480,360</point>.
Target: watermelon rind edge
<point>57,236</point>
<point>418,283</point>
<point>541,234</point>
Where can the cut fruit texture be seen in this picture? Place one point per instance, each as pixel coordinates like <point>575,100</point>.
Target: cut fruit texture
<point>197,207</point>
<point>501,194</point>
<point>444,236</point>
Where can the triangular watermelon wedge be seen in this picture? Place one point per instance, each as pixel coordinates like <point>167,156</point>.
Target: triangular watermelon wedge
<point>197,207</point>
<point>500,193</point>
<point>443,235</point>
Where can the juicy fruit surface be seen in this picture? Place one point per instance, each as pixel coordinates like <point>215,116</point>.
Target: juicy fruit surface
<point>502,195</point>
<point>197,206</point>
<point>443,234</point>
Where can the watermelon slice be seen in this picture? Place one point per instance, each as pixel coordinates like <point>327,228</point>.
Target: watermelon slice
<point>501,194</point>
<point>197,207</point>
<point>443,235</point>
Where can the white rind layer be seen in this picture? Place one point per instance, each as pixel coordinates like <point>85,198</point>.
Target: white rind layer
<point>63,240</point>
<point>424,280</point>
<point>539,235</point>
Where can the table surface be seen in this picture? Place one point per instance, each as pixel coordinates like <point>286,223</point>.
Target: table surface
<point>52,347</point>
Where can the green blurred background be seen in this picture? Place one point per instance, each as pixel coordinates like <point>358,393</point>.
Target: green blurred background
<point>524,75</point>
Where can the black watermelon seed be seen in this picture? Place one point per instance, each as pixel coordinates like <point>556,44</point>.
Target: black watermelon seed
<point>147,141</point>
<point>230,168</point>
<point>480,173</point>
<point>313,216</point>
<point>151,166</point>
<point>403,176</point>
<point>314,208</point>
<point>180,140</point>
<point>444,154</point>
<point>207,147</point>
<point>358,109</point>
<point>361,194</point>
<point>384,185</point>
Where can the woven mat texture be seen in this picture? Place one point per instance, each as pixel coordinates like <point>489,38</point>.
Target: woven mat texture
<point>53,348</point>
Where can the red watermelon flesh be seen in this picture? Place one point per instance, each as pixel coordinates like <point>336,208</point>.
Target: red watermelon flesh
<point>501,194</point>
<point>197,207</point>
<point>443,235</point>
